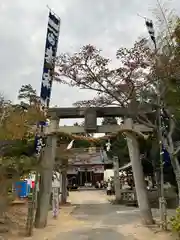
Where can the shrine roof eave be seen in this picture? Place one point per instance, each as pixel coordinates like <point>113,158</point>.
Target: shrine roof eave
<point>126,166</point>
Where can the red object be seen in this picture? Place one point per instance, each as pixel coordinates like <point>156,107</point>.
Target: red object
<point>33,184</point>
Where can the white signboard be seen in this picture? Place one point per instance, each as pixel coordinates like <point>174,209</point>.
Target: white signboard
<point>88,168</point>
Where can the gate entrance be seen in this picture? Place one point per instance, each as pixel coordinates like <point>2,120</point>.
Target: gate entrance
<point>87,173</point>
<point>85,177</point>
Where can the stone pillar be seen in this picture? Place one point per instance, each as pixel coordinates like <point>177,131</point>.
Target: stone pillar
<point>116,179</point>
<point>138,175</point>
<point>46,168</point>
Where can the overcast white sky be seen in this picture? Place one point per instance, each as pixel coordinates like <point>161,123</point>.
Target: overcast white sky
<point>108,24</point>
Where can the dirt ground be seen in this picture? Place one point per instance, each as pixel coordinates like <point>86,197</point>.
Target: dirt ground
<point>17,217</point>
<point>16,220</point>
<point>66,223</point>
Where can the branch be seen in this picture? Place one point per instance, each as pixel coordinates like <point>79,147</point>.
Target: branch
<point>100,83</point>
<point>146,122</point>
<point>172,127</point>
<point>177,150</point>
<point>75,79</point>
<point>134,132</point>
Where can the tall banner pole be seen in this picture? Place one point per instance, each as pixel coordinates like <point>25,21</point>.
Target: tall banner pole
<point>51,45</point>
<point>160,131</point>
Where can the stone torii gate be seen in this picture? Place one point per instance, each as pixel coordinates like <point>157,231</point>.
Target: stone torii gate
<point>91,114</point>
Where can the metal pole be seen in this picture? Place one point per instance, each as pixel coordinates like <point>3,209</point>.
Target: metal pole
<point>162,201</point>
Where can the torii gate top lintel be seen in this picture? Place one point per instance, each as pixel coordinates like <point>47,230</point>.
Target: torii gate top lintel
<point>80,112</point>
<point>90,115</point>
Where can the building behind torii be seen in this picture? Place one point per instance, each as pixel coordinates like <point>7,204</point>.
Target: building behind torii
<point>88,167</point>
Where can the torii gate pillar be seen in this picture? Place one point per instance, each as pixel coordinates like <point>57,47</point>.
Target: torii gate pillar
<point>140,186</point>
<point>46,171</point>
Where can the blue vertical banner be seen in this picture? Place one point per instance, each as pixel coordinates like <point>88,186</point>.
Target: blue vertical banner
<point>39,140</point>
<point>51,45</point>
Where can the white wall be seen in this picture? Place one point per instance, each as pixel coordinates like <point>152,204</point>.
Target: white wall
<point>108,173</point>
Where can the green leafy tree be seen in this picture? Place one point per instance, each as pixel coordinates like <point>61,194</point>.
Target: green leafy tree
<point>28,95</point>
<point>16,160</point>
<point>118,143</point>
<point>119,148</point>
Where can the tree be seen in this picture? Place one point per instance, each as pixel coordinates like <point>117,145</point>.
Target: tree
<point>5,106</point>
<point>16,160</point>
<point>119,149</point>
<point>20,123</point>
<point>17,128</point>
<point>118,143</point>
<point>89,70</point>
<point>28,94</point>
<point>166,72</point>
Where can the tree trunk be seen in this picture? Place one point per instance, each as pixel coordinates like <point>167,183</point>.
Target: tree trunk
<point>116,179</point>
<point>138,175</point>
<point>154,155</point>
<point>45,185</point>
<point>175,163</point>
<point>176,169</point>
<point>4,201</point>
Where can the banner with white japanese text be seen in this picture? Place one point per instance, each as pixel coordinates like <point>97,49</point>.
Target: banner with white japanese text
<point>51,45</point>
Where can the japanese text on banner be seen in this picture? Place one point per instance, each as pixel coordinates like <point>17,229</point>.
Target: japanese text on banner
<point>50,54</point>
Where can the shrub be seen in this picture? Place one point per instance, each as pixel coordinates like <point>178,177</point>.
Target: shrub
<point>175,222</point>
